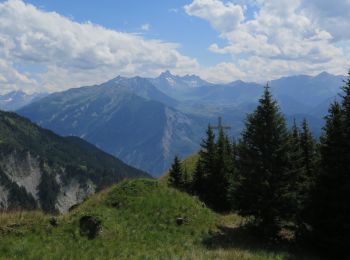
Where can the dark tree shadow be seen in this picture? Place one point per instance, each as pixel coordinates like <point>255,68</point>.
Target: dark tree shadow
<point>250,238</point>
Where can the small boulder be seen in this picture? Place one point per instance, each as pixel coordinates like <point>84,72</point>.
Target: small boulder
<point>90,226</point>
<point>73,207</point>
<point>117,204</point>
<point>53,222</point>
<point>180,221</point>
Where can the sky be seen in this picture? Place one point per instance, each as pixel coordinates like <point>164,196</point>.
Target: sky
<point>54,45</point>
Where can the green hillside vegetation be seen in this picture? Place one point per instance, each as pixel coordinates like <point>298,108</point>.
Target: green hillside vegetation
<point>69,157</point>
<point>140,219</point>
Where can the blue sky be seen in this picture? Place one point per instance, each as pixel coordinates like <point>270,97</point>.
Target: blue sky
<point>54,45</point>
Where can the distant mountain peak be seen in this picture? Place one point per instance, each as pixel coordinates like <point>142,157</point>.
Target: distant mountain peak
<point>166,74</point>
<point>17,98</point>
<point>168,82</point>
<point>323,74</point>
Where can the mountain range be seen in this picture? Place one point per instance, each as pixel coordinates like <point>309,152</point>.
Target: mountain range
<point>123,118</point>
<point>146,121</point>
<point>39,169</point>
<point>17,99</point>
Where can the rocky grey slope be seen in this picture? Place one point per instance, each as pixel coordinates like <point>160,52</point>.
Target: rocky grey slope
<point>39,169</point>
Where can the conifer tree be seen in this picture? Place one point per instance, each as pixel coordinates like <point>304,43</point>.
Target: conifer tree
<point>296,167</point>
<point>303,158</point>
<point>331,208</point>
<point>264,177</point>
<point>176,178</point>
<point>219,179</point>
<point>214,171</point>
<point>198,180</point>
<point>205,165</point>
<point>187,180</point>
<point>296,153</point>
<point>309,151</point>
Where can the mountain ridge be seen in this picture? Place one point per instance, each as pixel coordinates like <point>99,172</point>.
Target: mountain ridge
<point>39,169</point>
<point>145,124</point>
<point>142,132</point>
<point>14,100</point>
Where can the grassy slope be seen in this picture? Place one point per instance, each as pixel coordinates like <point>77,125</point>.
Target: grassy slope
<point>142,227</point>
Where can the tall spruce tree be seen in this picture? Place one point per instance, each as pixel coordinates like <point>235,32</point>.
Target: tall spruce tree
<point>331,208</point>
<point>176,176</point>
<point>296,168</point>
<point>304,158</point>
<point>264,177</point>
<point>309,151</point>
<point>205,166</point>
<point>214,171</point>
<point>220,178</point>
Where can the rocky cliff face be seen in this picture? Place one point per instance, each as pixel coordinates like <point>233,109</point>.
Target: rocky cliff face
<point>27,171</point>
<point>39,169</point>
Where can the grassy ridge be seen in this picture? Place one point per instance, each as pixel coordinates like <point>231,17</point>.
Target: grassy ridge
<point>138,222</point>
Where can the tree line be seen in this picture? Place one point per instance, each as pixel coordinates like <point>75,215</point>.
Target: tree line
<point>277,176</point>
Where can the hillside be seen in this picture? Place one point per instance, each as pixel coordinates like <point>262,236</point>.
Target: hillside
<point>41,169</point>
<point>120,120</point>
<point>136,219</point>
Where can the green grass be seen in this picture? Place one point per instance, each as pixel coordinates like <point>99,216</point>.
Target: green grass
<point>138,222</point>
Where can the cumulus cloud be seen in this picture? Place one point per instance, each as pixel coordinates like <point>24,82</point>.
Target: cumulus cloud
<point>222,73</point>
<point>222,16</point>
<point>11,79</point>
<point>283,37</point>
<point>77,53</point>
<point>333,16</point>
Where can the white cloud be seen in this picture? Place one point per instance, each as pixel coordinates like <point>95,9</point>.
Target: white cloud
<point>77,53</point>
<point>333,16</point>
<point>222,73</point>
<point>145,27</point>
<point>11,79</point>
<point>222,16</point>
<point>283,37</point>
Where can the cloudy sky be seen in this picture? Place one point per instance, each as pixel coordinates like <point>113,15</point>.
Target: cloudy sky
<point>50,45</point>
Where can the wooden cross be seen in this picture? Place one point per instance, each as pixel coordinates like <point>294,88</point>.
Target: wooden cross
<point>220,126</point>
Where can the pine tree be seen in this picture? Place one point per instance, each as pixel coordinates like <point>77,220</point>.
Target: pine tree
<point>296,168</point>
<point>264,178</point>
<point>309,151</point>
<point>176,178</point>
<point>214,171</point>
<point>198,180</point>
<point>331,207</point>
<point>296,153</point>
<point>219,178</point>
<point>187,180</point>
<point>304,162</point>
<point>205,166</point>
